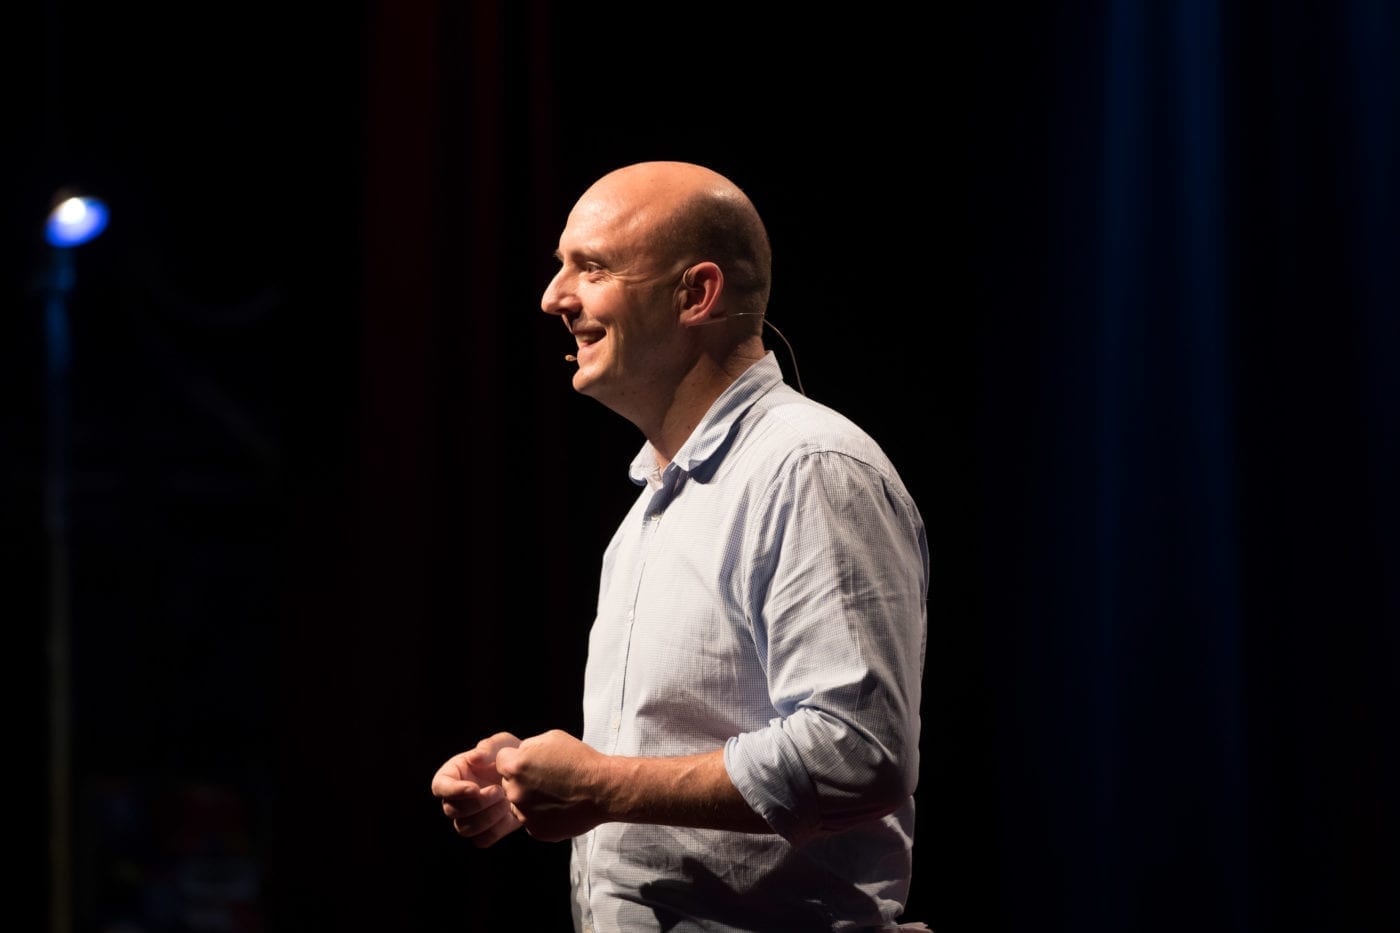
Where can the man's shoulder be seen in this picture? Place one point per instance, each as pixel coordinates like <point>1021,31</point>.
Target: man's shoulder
<point>788,431</point>
<point>810,425</point>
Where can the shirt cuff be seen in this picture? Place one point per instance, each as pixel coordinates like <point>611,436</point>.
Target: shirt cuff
<point>768,773</point>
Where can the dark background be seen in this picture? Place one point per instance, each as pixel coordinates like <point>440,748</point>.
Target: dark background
<point>1114,284</point>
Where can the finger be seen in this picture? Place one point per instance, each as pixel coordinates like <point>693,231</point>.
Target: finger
<point>509,822</point>
<point>488,827</point>
<point>451,777</point>
<point>446,787</point>
<point>489,746</point>
<point>496,832</point>
<point>483,767</point>
<point>474,802</point>
<point>476,822</point>
<point>482,759</point>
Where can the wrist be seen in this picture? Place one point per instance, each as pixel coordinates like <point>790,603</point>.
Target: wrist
<point>615,782</point>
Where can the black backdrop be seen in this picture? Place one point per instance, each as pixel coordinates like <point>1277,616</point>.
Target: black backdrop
<point>1113,284</point>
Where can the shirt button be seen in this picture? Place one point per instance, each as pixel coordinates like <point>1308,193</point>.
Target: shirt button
<point>616,723</point>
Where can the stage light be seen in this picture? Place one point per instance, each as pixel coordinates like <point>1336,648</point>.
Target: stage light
<point>75,220</point>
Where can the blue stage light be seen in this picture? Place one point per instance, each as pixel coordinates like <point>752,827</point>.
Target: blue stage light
<point>75,221</point>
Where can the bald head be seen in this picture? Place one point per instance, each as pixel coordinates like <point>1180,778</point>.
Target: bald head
<point>687,213</point>
<point>652,255</point>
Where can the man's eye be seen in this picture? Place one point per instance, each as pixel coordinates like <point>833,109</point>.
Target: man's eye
<point>592,267</point>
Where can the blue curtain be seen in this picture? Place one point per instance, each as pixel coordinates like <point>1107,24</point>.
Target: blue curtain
<point>1189,423</point>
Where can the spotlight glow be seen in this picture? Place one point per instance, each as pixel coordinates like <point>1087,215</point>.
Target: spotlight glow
<point>75,221</point>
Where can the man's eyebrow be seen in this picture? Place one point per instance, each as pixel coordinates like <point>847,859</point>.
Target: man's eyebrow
<point>578,254</point>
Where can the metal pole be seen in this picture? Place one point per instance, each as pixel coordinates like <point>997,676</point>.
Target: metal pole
<point>59,629</point>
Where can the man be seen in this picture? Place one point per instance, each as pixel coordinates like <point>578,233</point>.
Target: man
<point>751,696</point>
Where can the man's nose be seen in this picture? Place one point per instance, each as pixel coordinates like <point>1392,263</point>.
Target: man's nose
<point>555,300</point>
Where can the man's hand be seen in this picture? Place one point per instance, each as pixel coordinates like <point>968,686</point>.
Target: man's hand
<point>556,785</point>
<point>469,786</point>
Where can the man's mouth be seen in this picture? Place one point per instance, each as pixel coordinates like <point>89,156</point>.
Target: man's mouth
<point>585,339</point>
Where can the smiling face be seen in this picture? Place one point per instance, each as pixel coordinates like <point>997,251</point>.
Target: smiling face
<point>616,291</point>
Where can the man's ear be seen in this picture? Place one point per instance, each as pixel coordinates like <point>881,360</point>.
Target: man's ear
<point>697,295</point>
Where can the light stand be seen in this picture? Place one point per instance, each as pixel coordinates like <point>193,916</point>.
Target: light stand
<point>72,222</point>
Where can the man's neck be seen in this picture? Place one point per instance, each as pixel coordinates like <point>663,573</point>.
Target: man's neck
<point>692,399</point>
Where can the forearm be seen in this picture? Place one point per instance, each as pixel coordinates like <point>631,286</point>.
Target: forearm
<point>558,787</point>
<point>693,791</point>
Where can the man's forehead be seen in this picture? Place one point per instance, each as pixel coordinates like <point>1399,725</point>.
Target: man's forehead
<point>612,213</point>
<point>602,227</point>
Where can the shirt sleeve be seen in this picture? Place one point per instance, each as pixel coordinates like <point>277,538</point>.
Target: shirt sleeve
<point>838,606</point>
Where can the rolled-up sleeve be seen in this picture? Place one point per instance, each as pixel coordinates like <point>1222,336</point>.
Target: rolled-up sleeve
<point>837,602</point>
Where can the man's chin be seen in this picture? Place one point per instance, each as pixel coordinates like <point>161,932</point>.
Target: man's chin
<point>584,383</point>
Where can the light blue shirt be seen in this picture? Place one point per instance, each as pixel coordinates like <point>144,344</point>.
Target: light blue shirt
<point>766,593</point>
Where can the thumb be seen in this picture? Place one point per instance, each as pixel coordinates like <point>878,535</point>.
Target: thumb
<point>506,761</point>
<point>482,766</point>
<point>482,759</point>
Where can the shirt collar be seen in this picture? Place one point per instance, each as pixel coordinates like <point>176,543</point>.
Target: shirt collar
<point>709,437</point>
